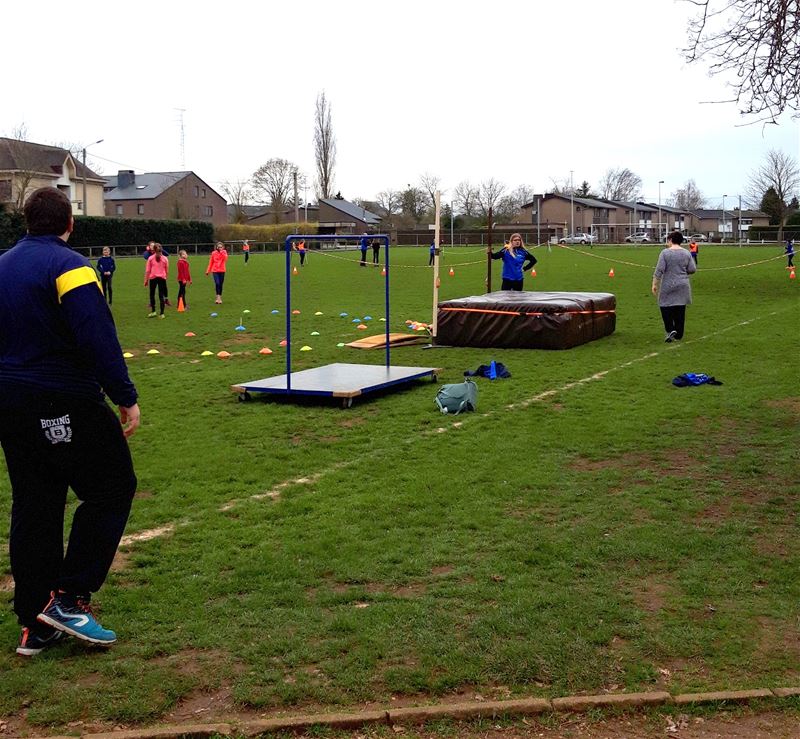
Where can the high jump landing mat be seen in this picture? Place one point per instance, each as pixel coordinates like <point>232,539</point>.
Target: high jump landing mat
<point>339,380</point>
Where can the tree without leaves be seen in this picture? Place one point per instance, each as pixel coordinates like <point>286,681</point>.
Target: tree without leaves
<point>757,40</point>
<point>621,185</point>
<point>324,147</point>
<point>465,199</point>
<point>390,202</point>
<point>238,194</point>
<point>489,194</point>
<point>779,172</point>
<point>25,161</point>
<point>688,197</point>
<point>430,184</point>
<point>273,183</point>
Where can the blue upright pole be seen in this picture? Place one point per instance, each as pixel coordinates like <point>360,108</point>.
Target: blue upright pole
<point>288,248</point>
<point>386,261</point>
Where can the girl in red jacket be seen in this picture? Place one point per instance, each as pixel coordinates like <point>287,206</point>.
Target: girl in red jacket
<point>216,266</point>
<point>184,277</point>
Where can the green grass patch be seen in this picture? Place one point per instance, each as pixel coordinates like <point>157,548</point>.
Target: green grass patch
<point>619,534</point>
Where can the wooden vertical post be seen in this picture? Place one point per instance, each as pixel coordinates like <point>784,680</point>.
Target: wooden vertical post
<point>437,203</point>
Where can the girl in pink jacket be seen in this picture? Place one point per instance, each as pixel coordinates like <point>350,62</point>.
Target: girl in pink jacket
<point>216,266</point>
<point>156,274</point>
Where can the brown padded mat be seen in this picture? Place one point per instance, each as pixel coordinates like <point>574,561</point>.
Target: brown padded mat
<point>526,320</point>
<point>379,341</point>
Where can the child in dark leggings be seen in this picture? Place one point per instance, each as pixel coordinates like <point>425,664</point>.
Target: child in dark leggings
<point>156,275</point>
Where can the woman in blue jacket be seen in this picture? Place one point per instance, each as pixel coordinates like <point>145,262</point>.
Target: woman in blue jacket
<point>516,260</point>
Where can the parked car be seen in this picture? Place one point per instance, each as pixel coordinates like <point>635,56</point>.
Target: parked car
<point>638,239</point>
<point>579,238</point>
<point>696,237</point>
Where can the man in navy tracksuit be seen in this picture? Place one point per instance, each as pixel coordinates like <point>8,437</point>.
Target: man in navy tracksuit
<point>59,355</point>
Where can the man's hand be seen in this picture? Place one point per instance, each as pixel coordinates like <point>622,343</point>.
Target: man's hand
<point>129,418</point>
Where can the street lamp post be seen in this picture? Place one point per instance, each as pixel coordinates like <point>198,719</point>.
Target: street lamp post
<point>722,239</point>
<point>660,182</point>
<point>99,141</point>
<point>571,205</point>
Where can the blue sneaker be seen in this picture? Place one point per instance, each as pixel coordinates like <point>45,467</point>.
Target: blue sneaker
<point>73,616</point>
<point>32,642</point>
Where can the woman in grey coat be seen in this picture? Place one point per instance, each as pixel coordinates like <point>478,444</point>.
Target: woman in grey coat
<point>671,285</point>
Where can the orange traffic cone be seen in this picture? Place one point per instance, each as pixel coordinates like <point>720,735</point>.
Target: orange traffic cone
<point>181,306</point>
<point>533,273</point>
<point>383,272</point>
<point>294,270</point>
<point>791,275</point>
<point>451,272</point>
<point>611,272</point>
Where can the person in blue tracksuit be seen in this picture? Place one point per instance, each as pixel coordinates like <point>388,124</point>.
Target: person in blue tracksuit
<point>106,267</point>
<point>516,261</point>
<point>59,359</point>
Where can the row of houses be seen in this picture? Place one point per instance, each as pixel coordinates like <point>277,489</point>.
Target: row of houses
<point>24,166</point>
<point>613,221</point>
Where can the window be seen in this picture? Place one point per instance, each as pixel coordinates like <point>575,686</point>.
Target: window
<point>208,211</point>
<point>196,191</point>
<point>140,209</point>
<point>203,193</point>
<point>120,209</point>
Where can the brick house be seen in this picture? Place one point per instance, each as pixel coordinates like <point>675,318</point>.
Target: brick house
<point>26,166</point>
<point>163,195</point>
<point>717,224</point>
<point>265,217</point>
<point>559,212</point>
<point>344,217</point>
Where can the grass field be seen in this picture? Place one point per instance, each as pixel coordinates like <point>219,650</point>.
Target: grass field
<point>590,528</point>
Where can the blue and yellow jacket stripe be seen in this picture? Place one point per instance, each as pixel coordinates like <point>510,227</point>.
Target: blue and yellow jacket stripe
<point>56,331</point>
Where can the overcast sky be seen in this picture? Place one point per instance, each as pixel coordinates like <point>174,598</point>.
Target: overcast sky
<point>520,91</point>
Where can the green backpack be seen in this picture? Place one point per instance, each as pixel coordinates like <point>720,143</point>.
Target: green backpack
<point>460,396</point>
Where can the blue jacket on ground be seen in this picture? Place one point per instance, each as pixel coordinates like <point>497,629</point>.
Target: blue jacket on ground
<point>56,331</point>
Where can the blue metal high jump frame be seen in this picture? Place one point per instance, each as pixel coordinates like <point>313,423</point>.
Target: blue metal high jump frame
<point>287,245</point>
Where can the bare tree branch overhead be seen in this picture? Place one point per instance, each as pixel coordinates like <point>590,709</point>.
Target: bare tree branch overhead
<point>756,41</point>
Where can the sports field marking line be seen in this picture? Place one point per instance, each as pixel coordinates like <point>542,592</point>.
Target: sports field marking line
<point>147,535</point>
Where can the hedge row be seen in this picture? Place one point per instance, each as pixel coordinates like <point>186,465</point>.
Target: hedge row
<point>266,233</point>
<point>12,228</point>
<point>95,231</point>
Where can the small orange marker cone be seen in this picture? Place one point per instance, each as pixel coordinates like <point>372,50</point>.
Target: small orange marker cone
<point>223,354</point>
<point>383,272</point>
<point>533,273</point>
<point>451,272</point>
<point>611,272</point>
<point>181,306</point>
<point>791,275</point>
<point>294,270</point>
<point>283,342</point>
<point>265,350</point>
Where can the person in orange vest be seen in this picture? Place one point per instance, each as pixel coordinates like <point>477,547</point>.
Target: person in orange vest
<point>693,249</point>
<point>246,250</point>
<point>216,267</point>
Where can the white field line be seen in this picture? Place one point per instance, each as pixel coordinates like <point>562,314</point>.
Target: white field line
<point>274,492</point>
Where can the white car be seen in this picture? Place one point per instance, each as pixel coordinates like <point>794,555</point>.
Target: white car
<point>699,238</point>
<point>579,238</point>
<point>638,239</point>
